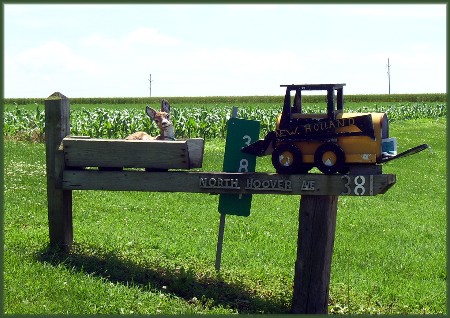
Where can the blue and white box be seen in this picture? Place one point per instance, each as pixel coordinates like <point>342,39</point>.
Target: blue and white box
<point>389,146</point>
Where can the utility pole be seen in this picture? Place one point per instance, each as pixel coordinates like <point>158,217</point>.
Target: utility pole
<point>150,80</point>
<point>389,76</point>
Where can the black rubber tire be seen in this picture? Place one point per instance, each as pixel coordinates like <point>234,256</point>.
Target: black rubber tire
<point>296,158</point>
<point>338,166</point>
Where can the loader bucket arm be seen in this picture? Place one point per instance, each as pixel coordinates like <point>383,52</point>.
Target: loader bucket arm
<point>406,153</point>
<point>261,147</point>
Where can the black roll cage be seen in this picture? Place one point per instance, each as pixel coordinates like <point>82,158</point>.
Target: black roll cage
<point>332,108</point>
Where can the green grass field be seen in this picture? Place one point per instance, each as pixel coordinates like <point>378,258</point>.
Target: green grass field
<point>154,253</point>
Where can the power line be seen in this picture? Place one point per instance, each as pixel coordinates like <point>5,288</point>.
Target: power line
<point>150,80</point>
<point>389,76</point>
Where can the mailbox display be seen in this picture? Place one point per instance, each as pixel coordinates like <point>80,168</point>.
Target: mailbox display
<point>333,141</point>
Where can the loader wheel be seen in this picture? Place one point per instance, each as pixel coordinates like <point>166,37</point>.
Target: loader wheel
<point>330,158</point>
<point>287,159</point>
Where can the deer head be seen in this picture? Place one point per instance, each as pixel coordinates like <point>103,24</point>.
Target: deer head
<point>162,120</point>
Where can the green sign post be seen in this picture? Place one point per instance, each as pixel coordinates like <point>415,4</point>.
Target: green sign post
<point>240,133</point>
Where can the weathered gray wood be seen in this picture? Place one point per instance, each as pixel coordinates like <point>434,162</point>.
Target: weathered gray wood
<point>224,182</point>
<point>158,154</point>
<point>57,126</point>
<point>317,225</point>
<point>196,149</point>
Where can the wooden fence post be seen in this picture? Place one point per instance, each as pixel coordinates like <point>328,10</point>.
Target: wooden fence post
<point>57,126</point>
<point>317,225</point>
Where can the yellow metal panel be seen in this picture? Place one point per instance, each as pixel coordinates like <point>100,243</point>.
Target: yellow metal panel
<point>358,149</point>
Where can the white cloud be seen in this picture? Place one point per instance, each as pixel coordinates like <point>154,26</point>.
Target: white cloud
<point>43,69</point>
<point>54,55</point>
<point>98,40</point>
<point>233,60</point>
<point>150,36</point>
<point>105,65</point>
<point>223,71</point>
<point>139,36</point>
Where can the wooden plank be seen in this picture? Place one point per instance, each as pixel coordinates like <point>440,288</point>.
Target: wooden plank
<point>317,226</point>
<point>223,182</point>
<point>196,148</point>
<point>57,126</point>
<point>158,154</point>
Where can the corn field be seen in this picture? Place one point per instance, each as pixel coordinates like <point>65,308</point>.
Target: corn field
<point>209,100</point>
<point>189,121</point>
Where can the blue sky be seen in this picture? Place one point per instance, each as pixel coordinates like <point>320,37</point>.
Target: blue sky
<point>221,50</point>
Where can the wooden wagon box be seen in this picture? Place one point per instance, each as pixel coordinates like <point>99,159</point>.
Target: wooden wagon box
<point>118,153</point>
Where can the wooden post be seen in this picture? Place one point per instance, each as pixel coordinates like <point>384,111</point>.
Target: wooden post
<point>317,225</point>
<point>57,126</point>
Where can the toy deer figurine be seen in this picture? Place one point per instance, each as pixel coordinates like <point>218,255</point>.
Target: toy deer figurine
<point>162,120</point>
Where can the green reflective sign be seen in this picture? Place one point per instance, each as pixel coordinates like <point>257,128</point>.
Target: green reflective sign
<point>240,133</point>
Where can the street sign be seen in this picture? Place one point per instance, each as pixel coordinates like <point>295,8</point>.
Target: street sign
<point>240,133</point>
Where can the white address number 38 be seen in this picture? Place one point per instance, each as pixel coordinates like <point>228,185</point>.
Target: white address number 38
<point>357,185</point>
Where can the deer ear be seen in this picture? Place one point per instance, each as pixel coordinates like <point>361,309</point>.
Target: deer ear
<point>165,106</point>
<point>150,112</point>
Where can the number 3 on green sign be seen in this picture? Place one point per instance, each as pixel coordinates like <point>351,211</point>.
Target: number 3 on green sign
<point>248,142</point>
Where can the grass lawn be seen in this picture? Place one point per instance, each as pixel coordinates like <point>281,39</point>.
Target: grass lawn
<point>154,253</point>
